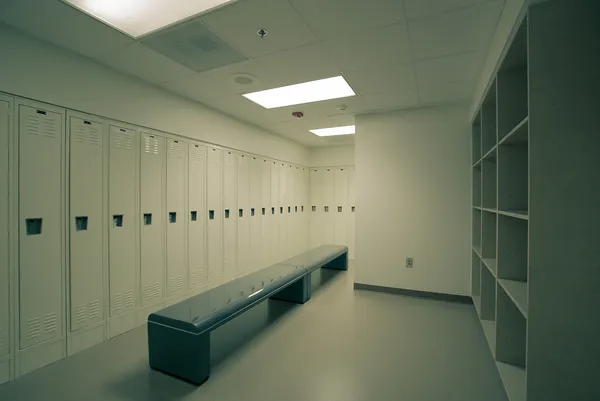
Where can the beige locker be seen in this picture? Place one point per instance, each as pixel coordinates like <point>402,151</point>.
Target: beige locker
<point>265,216</point>
<point>340,209</point>
<point>230,214</point>
<point>214,185</point>
<point>197,220</point>
<point>329,208</point>
<point>274,226</point>
<point>305,209</point>
<point>86,273</point>
<point>352,211</point>
<point>244,255</point>
<point>152,243</point>
<point>282,215</point>
<point>122,220</point>
<point>316,207</point>
<point>177,169</point>
<point>255,211</point>
<point>41,144</point>
<point>5,193</point>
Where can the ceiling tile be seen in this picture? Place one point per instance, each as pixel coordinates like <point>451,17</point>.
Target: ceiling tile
<point>333,19</point>
<point>145,63</point>
<point>302,64</point>
<point>446,93</point>
<point>300,133</point>
<point>62,25</point>
<point>388,45</point>
<point>383,79</point>
<point>239,22</point>
<point>462,67</point>
<point>242,108</point>
<point>454,32</point>
<point>422,8</point>
<point>393,101</point>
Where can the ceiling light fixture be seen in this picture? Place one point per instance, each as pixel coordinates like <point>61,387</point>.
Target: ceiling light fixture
<point>345,130</point>
<point>137,18</point>
<point>308,92</point>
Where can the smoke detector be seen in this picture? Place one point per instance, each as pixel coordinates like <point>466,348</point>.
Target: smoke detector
<point>243,79</point>
<point>343,107</point>
<point>298,114</point>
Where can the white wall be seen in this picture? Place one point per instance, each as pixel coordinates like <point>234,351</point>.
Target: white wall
<point>332,156</point>
<point>35,69</point>
<point>413,192</point>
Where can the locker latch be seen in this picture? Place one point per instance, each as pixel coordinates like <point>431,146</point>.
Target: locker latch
<point>326,209</point>
<point>81,223</point>
<point>33,226</point>
<point>272,210</point>
<point>147,219</point>
<point>172,217</point>
<point>289,209</point>
<point>252,212</point>
<point>314,208</point>
<point>211,214</point>
<point>241,212</point>
<point>353,208</point>
<point>117,220</point>
<point>264,211</point>
<point>339,209</point>
<point>281,207</point>
<point>194,215</point>
<point>226,213</point>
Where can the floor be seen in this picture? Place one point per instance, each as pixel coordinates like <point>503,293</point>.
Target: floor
<point>342,345</point>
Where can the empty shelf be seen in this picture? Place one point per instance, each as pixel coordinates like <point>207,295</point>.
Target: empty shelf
<point>519,214</point>
<point>487,209</point>
<point>518,134</point>
<point>489,329</point>
<point>517,292</point>
<point>490,155</point>
<point>514,380</point>
<point>477,249</point>
<point>491,265</point>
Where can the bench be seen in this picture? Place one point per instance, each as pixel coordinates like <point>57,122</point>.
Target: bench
<point>179,335</point>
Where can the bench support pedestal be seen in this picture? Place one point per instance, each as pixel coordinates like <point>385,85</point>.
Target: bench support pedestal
<point>299,292</point>
<point>339,263</point>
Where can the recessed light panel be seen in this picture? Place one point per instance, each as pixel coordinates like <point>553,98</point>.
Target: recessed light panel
<point>141,17</point>
<point>308,92</point>
<point>345,130</point>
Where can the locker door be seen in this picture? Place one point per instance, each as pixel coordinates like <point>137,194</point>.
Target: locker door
<point>230,228</point>
<point>40,225</point>
<point>283,234</point>
<point>340,210</point>
<point>214,184</point>
<point>275,242</point>
<point>243,214</point>
<point>86,223</point>
<point>152,245</point>
<point>122,250</point>
<point>327,190</point>
<point>255,209</point>
<point>266,258</point>
<point>5,193</point>
<point>177,168</point>
<point>305,209</point>
<point>316,207</point>
<point>296,216</point>
<point>197,225</point>
<point>352,212</point>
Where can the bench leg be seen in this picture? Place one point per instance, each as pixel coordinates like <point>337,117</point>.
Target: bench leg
<point>299,292</point>
<point>179,353</point>
<point>339,263</point>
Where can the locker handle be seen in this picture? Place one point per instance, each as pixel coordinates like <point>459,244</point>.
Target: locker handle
<point>281,210</point>
<point>226,213</point>
<point>252,212</point>
<point>289,209</point>
<point>211,214</point>
<point>194,215</point>
<point>295,209</point>
<point>353,208</point>
<point>147,219</point>
<point>302,208</point>
<point>241,212</point>
<point>33,226</point>
<point>117,220</point>
<point>326,209</point>
<point>339,209</point>
<point>272,210</point>
<point>263,211</point>
<point>172,217</point>
<point>81,223</point>
<point>87,123</point>
<point>41,112</point>
<point>314,208</point>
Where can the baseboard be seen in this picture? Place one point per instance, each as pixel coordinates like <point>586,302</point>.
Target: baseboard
<point>463,299</point>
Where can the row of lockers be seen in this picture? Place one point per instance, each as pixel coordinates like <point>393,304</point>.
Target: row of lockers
<point>115,219</point>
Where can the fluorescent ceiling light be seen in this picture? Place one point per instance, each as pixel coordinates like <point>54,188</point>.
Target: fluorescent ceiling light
<point>141,17</point>
<point>308,92</point>
<point>345,130</point>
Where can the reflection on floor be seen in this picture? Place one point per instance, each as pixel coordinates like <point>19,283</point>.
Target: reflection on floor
<point>342,345</point>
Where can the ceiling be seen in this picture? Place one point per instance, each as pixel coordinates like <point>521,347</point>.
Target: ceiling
<point>396,54</point>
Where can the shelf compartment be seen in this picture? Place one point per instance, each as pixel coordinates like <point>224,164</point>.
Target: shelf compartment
<point>511,331</point>
<point>477,250</point>
<point>513,176</point>
<point>476,228</point>
<point>488,120</point>
<point>517,292</point>
<point>514,379</point>
<point>477,185</point>
<point>491,265</point>
<point>476,138</point>
<point>512,84</point>
<point>488,181</point>
<point>519,134</point>
<point>475,274</point>
<point>488,296</point>
<point>477,303</point>
<point>489,329</point>
<point>488,235</point>
<point>517,214</point>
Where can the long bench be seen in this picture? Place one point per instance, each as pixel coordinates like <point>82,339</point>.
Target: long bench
<point>179,336</point>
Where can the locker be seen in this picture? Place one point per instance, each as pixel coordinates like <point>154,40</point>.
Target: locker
<point>327,191</point>
<point>5,193</point>
<point>305,209</point>
<point>152,244</point>
<point>352,211</point>
<point>86,222</point>
<point>340,209</point>
<point>197,225</point>
<point>122,223</point>
<point>316,207</point>
<point>265,218</point>
<point>176,221</point>
<point>214,184</point>
<point>282,221</point>
<point>230,215</point>
<point>275,240</point>
<point>255,211</point>
<point>41,134</point>
<point>243,214</point>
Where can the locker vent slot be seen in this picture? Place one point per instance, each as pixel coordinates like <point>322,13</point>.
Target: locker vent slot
<point>314,208</point>
<point>128,300</point>
<point>81,314</point>
<point>32,126</point>
<point>263,211</point>
<point>196,278</point>
<point>34,328</point>
<point>272,210</point>
<point>118,303</point>
<point>196,153</point>
<point>281,210</point>
<point>353,208</point>
<point>295,209</point>
<point>117,220</point>
<point>152,291</point>
<point>252,212</point>
<point>172,217</point>
<point>176,149</point>
<point>241,212</point>
<point>226,213</point>
<point>194,215</point>
<point>94,309</point>
<point>326,209</point>
<point>176,284</point>
<point>147,219</point>
<point>339,209</point>
<point>289,209</point>
<point>81,223</point>
<point>151,145</point>
<point>123,140</point>
<point>80,135</point>
<point>33,226</point>
<point>211,214</point>
<point>50,323</point>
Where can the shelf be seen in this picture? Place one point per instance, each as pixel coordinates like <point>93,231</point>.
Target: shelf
<point>518,214</point>
<point>477,250</point>
<point>519,134</point>
<point>517,292</point>
<point>490,155</point>
<point>477,208</point>
<point>489,171</point>
<point>475,274</point>
<point>477,164</point>
<point>489,329</point>
<point>489,137</point>
<point>487,209</point>
<point>476,137</point>
<point>491,265</point>
<point>514,379</point>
